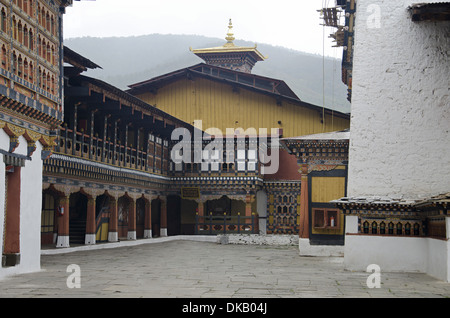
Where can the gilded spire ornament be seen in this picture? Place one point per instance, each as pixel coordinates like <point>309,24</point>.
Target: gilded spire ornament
<point>229,55</point>
<point>230,35</point>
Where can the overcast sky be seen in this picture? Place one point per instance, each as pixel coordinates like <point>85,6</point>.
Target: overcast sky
<point>294,24</point>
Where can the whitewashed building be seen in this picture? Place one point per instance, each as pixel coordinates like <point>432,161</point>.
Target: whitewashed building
<point>399,154</point>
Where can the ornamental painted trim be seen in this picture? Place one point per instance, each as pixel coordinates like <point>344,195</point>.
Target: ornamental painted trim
<point>69,186</point>
<point>11,99</point>
<point>108,167</point>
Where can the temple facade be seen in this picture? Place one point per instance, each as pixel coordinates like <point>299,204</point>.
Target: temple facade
<point>228,101</point>
<point>193,152</point>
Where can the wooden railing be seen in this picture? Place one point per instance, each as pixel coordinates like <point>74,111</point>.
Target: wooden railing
<point>84,146</point>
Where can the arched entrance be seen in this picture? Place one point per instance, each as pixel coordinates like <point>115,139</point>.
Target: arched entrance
<point>77,218</point>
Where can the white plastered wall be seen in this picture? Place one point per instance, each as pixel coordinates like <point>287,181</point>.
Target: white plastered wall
<point>400,131</point>
<point>4,145</point>
<point>30,208</point>
<point>406,254</point>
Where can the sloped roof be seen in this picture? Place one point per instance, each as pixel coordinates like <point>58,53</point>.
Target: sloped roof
<point>78,60</point>
<point>265,85</point>
<point>253,81</point>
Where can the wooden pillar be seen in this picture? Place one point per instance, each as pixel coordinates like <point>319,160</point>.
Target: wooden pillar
<point>91,133</point>
<point>248,208</point>
<point>131,219</point>
<point>148,219</point>
<point>11,246</point>
<point>113,235</point>
<point>63,221</point>
<point>304,204</point>
<point>201,208</point>
<point>125,146</point>
<point>248,205</point>
<point>105,136</point>
<point>115,143</point>
<point>90,238</point>
<point>138,149</point>
<point>163,217</point>
<point>74,123</point>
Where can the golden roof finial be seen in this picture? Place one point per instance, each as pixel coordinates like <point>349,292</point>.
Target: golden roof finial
<point>230,36</point>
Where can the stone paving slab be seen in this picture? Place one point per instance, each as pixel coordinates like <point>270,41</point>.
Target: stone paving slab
<point>190,269</point>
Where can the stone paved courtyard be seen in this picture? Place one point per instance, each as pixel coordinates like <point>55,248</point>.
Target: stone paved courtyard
<point>190,269</point>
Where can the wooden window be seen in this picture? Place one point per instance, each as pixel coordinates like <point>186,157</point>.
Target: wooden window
<point>3,21</point>
<point>374,228</point>
<point>47,22</point>
<point>391,228</point>
<point>42,22</point>
<point>407,229</point>
<point>53,85</point>
<point>20,32</point>
<point>48,52</point>
<point>14,28</point>
<point>382,228</point>
<point>14,63</point>
<point>25,36</point>
<point>39,46</point>
<point>416,229</point>
<point>4,57</point>
<point>48,82</point>
<point>30,40</point>
<point>53,56</point>
<point>25,69</point>
<point>31,72</point>
<point>53,26</point>
<point>319,218</point>
<point>366,227</point>
<point>20,69</point>
<point>30,8</point>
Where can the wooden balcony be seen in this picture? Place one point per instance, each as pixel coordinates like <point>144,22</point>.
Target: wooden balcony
<point>108,152</point>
